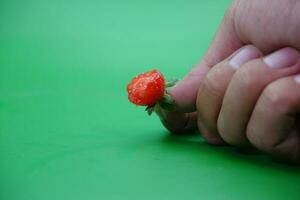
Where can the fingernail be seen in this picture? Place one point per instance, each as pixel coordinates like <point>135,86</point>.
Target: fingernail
<point>282,58</point>
<point>297,79</point>
<point>245,54</point>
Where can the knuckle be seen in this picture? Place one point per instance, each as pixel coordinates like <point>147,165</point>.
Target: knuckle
<point>273,96</point>
<point>244,77</point>
<point>252,136</point>
<point>211,83</point>
<point>209,133</point>
<point>260,141</point>
<point>222,129</point>
<point>256,139</point>
<point>230,134</point>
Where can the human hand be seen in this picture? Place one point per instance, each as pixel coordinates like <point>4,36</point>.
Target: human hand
<point>250,97</point>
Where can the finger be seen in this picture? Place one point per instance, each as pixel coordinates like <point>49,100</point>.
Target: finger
<point>224,44</point>
<point>245,88</point>
<point>184,93</point>
<point>177,123</point>
<point>274,124</point>
<point>212,90</point>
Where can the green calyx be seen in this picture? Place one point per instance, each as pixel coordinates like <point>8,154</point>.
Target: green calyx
<point>166,103</point>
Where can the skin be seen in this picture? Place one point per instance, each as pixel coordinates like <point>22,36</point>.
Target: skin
<point>252,105</point>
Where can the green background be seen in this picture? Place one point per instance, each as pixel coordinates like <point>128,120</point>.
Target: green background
<point>67,130</point>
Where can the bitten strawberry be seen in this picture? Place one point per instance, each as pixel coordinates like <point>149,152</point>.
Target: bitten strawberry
<point>149,89</point>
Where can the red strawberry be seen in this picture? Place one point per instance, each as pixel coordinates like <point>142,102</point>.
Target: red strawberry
<point>148,89</point>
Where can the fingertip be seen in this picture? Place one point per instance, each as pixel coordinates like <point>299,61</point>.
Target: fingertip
<point>176,122</point>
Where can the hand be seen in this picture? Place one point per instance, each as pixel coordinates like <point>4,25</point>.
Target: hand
<point>253,96</point>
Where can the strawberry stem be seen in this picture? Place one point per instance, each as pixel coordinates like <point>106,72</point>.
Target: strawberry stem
<point>150,109</point>
<point>167,102</point>
<point>171,83</point>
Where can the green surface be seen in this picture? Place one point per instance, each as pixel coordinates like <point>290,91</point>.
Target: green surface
<point>66,128</point>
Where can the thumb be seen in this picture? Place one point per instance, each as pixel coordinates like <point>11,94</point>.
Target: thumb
<point>226,42</point>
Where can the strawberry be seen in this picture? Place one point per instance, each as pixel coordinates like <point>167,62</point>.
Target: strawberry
<point>149,89</point>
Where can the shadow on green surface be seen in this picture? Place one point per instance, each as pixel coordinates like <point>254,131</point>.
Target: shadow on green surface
<point>195,144</point>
